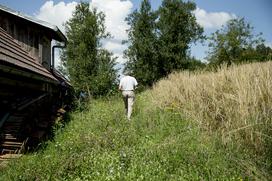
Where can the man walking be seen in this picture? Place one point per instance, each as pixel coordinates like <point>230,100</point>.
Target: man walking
<point>127,86</point>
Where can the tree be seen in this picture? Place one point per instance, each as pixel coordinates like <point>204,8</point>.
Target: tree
<point>263,52</point>
<point>194,64</point>
<point>159,41</point>
<point>90,67</point>
<point>233,43</point>
<point>142,50</point>
<point>177,29</point>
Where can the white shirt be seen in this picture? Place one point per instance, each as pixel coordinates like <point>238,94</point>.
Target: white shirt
<point>128,83</point>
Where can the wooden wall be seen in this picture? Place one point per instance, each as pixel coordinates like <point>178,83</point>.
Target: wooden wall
<point>33,38</point>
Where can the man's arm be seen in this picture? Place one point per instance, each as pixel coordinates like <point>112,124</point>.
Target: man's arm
<point>120,85</point>
<point>135,83</point>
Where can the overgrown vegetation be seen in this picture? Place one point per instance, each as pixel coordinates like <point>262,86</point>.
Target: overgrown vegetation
<point>100,144</point>
<point>190,126</point>
<point>214,128</point>
<point>234,103</point>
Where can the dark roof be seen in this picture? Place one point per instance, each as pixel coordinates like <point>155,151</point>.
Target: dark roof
<point>58,35</point>
<point>12,54</point>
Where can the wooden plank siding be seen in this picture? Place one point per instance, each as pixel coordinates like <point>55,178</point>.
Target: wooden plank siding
<point>32,38</point>
<point>25,49</point>
<point>13,54</point>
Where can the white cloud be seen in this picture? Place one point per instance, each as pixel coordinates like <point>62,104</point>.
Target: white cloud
<point>212,19</point>
<point>56,14</point>
<point>269,44</point>
<point>114,46</point>
<point>120,58</point>
<point>117,48</point>
<point>115,11</point>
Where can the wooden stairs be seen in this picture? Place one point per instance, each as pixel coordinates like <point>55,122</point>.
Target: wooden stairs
<point>11,141</point>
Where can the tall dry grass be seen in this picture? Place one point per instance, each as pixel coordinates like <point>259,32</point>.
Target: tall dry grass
<point>235,102</point>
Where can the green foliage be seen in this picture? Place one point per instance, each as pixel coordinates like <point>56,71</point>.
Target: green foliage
<point>90,67</point>
<point>234,43</point>
<point>142,51</point>
<point>263,51</point>
<point>177,28</point>
<point>159,40</point>
<point>260,54</point>
<point>193,64</point>
<point>100,144</point>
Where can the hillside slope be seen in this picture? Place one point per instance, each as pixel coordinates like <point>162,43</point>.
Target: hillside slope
<point>159,143</point>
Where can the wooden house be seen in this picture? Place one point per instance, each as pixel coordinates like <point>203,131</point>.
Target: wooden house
<point>29,84</point>
<point>25,51</point>
<point>33,35</point>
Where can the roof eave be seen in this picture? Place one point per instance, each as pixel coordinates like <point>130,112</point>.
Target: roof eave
<point>60,36</point>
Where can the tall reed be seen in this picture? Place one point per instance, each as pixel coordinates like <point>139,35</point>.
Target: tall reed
<point>235,102</point>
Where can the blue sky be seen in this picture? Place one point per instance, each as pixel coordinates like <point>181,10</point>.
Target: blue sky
<point>211,14</point>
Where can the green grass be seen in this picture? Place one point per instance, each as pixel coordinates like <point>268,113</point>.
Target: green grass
<point>100,144</point>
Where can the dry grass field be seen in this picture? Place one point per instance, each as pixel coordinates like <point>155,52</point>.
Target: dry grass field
<point>233,102</point>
